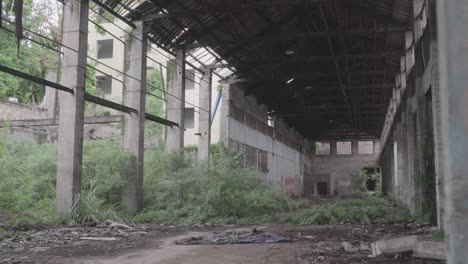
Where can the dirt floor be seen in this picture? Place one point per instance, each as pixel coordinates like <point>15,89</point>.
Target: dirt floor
<point>154,244</point>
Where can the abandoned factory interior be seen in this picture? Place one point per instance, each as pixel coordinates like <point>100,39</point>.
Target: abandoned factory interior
<point>233,131</point>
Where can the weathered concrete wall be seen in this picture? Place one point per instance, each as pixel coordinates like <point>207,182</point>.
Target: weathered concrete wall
<point>414,176</point>
<point>277,151</point>
<point>341,172</point>
<point>17,111</point>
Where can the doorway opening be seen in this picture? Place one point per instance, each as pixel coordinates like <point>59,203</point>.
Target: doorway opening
<point>372,179</point>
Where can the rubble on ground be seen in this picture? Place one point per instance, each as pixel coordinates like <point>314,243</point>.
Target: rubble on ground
<point>235,236</point>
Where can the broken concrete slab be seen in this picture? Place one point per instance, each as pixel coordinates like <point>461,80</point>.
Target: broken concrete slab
<point>394,246</point>
<point>430,250</point>
<point>349,248</point>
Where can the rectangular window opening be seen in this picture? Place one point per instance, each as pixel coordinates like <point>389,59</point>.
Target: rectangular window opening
<point>189,118</point>
<point>366,147</point>
<point>322,148</point>
<point>104,85</point>
<point>189,79</point>
<point>105,48</point>
<point>344,148</point>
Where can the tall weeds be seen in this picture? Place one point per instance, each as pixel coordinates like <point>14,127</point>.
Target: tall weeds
<point>178,190</point>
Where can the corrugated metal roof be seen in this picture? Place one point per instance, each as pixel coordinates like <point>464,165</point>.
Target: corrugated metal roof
<point>326,40</point>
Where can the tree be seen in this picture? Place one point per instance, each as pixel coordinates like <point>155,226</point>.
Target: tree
<point>154,102</point>
<point>32,57</point>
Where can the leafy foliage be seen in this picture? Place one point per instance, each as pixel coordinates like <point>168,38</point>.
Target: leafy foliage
<point>154,102</point>
<point>178,190</point>
<point>32,58</point>
<point>27,181</point>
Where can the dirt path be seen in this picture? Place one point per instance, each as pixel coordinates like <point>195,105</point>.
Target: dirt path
<point>167,252</point>
<point>155,245</point>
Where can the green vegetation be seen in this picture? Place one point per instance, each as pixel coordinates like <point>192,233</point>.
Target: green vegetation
<point>27,181</point>
<point>439,235</point>
<point>31,57</point>
<point>365,209</point>
<point>154,102</point>
<point>177,189</point>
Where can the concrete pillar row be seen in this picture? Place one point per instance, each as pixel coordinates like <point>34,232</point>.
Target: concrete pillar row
<point>70,139</point>
<point>175,103</point>
<point>134,123</point>
<point>204,123</point>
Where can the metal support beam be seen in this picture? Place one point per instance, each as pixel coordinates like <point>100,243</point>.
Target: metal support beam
<point>71,118</point>
<point>453,39</point>
<point>175,106</point>
<point>204,123</point>
<point>134,123</point>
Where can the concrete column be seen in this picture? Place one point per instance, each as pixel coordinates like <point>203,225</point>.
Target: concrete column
<point>225,114</point>
<point>50,96</point>
<point>438,146</point>
<point>204,123</point>
<point>70,141</point>
<point>175,104</point>
<point>453,57</point>
<point>404,157</point>
<point>134,123</point>
<point>411,150</point>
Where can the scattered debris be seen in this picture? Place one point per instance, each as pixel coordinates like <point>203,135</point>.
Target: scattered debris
<point>394,246</point>
<point>430,250</point>
<point>99,238</point>
<point>39,249</point>
<point>117,225</point>
<point>234,236</point>
<point>364,247</point>
<point>349,248</point>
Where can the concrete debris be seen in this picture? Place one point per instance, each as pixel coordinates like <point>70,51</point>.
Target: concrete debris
<point>234,236</point>
<point>349,248</point>
<point>39,249</point>
<point>117,225</point>
<point>99,238</point>
<point>430,250</point>
<point>364,247</point>
<point>114,235</point>
<point>394,246</point>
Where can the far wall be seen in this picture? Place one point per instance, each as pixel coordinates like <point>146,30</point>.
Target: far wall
<point>341,172</point>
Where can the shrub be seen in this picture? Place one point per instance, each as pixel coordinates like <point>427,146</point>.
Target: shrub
<point>364,209</point>
<point>27,181</point>
<point>179,190</point>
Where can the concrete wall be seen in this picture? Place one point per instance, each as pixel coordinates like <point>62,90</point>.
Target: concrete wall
<point>192,98</point>
<point>341,172</point>
<point>17,111</point>
<point>414,176</point>
<point>279,152</point>
<point>157,57</point>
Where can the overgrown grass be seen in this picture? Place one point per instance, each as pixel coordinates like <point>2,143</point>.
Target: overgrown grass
<point>365,209</point>
<point>178,190</point>
<point>27,182</point>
